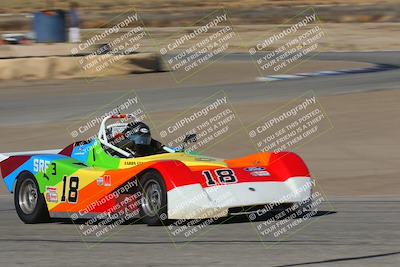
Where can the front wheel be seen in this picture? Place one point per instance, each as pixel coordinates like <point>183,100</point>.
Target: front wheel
<point>153,208</point>
<point>29,202</point>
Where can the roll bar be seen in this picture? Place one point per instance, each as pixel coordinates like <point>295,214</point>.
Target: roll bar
<point>102,135</point>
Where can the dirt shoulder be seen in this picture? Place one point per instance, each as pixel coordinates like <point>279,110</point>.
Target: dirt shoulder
<point>339,36</point>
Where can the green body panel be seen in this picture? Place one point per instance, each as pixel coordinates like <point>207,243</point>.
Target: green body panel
<point>64,167</point>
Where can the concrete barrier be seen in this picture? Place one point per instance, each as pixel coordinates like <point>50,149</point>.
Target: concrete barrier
<point>53,67</point>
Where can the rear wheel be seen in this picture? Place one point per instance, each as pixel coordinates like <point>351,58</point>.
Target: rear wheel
<point>29,202</point>
<point>153,206</point>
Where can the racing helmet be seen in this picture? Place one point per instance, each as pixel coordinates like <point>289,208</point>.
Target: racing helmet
<point>138,133</point>
<point>134,138</point>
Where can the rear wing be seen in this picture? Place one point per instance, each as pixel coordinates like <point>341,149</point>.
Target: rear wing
<point>6,155</point>
<point>3,157</point>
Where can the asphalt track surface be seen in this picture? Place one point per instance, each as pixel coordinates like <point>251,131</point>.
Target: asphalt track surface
<point>66,100</point>
<point>345,232</point>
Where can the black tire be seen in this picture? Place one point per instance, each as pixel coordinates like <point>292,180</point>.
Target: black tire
<point>37,212</point>
<point>151,212</point>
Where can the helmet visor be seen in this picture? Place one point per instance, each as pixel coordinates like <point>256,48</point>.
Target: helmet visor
<point>140,139</point>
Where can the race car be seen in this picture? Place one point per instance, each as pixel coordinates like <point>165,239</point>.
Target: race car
<point>123,171</point>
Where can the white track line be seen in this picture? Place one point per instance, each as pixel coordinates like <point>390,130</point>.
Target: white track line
<point>323,73</point>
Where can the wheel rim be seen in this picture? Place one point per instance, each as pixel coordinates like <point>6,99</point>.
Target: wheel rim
<point>28,196</point>
<point>151,202</point>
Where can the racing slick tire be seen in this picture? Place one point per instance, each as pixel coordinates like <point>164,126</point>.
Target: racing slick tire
<point>153,205</point>
<point>29,203</point>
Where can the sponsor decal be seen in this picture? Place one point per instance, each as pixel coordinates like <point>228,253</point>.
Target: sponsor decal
<point>104,181</point>
<point>51,194</point>
<point>40,165</point>
<point>107,180</point>
<point>260,173</point>
<point>100,181</point>
<point>81,151</point>
<point>132,163</point>
<point>204,159</point>
<point>254,169</point>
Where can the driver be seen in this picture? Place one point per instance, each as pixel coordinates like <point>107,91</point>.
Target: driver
<point>136,139</point>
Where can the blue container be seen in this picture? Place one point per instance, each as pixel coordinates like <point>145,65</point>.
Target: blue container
<point>50,26</point>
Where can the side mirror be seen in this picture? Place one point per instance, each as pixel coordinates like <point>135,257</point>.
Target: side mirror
<point>190,138</point>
